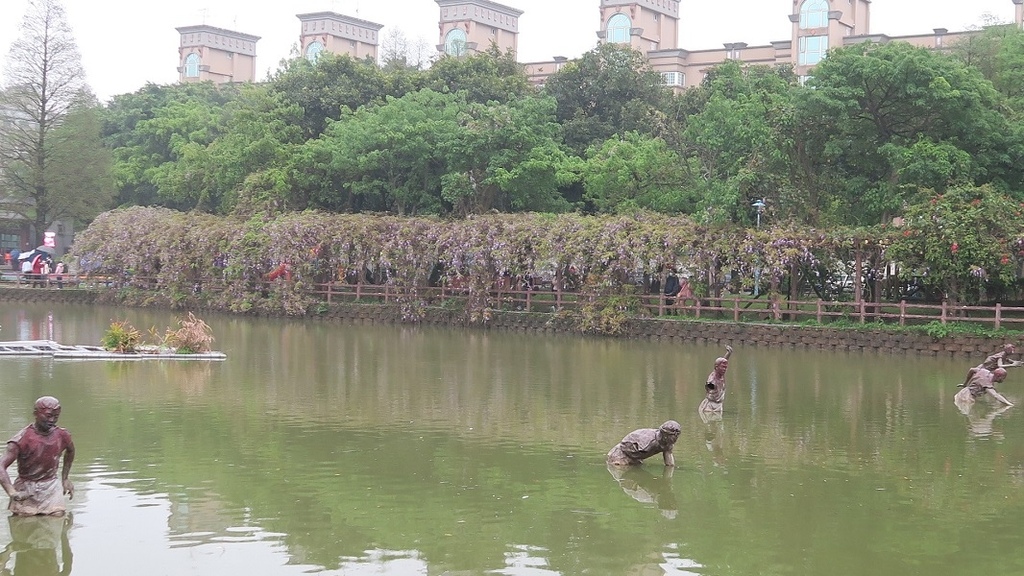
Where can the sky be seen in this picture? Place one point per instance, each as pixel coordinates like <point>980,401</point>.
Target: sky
<point>128,43</point>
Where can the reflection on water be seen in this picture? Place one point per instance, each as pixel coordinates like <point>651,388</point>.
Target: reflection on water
<point>980,417</point>
<point>321,448</point>
<point>39,546</point>
<point>644,487</point>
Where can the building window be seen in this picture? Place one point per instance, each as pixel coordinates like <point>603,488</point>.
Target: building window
<point>814,14</point>
<point>455,42</point>
<point>313,50</point>
<point>618,29</point>
<point>673,78</point>
<point>812,50</point>
<point>192,65</point>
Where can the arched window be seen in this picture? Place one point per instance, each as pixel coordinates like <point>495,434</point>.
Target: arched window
<point>455,42</point>
<point>618,29</point>
<point>814,14</point>
<point>192,65</point>
<point>313,50</point>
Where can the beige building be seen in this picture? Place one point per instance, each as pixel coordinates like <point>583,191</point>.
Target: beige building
<point>338,34</point>
<point>216,54</point>
<point>650,26</point>
<point>472,26</point>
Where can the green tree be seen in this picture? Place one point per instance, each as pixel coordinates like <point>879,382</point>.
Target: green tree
<point>998,53</point>
<point>738,143</point>
<point>609,90</point>
<point>148,128</point>
<point>326,89</point>
<point>43,84</point>
<point>634,171</point>
<point>485,77</point>
<point>964,240</point>
<point>870,110</point>
<point>254,132</point>
<point>81,167</point>
<point>506,157</point>
<point>389,157</point>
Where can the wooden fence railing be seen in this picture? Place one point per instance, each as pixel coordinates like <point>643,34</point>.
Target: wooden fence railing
<point>733,307</point>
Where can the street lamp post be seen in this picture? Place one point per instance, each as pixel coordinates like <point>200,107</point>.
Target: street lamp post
<point>759,206</point>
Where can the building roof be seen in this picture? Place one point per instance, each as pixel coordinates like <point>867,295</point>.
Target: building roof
<point>338,18</point>
<point>215,30</point>
<point>483,4</point>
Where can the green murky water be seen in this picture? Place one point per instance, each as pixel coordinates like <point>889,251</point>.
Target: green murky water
<point>331,449</point>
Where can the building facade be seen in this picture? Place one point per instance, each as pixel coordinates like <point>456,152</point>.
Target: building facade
<point>650,26</point>
<point>207,53</point>
<point>472,26</point>
<point>338,34</point>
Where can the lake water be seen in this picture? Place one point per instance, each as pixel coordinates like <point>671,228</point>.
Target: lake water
<point>328,449</point>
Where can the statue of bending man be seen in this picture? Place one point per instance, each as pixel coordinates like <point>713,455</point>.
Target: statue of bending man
<point>641,444</point>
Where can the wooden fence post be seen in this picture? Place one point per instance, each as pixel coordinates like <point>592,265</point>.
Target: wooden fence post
<point>903,312</point>
<point>999,314</point>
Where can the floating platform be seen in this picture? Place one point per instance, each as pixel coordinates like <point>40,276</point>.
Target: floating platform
<point>63,351</point>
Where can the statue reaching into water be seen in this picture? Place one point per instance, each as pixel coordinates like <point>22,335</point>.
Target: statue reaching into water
<point>714,388</point>
<point>982,382</point>
<point>37,449</point>
<point>641,444</point>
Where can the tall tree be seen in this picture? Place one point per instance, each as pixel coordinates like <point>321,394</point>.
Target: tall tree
<point>486,77</point>
<point>43,80</point>
<point>80,173</point>
<point>608,91</point>
<point>327,88</point>
<point>885,121</point>
<point>150,130</point>
<point>738,142</point>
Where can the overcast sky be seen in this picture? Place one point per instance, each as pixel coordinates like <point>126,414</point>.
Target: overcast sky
<point>127,43</point>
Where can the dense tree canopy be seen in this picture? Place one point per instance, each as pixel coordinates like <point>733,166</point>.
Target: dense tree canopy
<point>885,121</point>
<point>878,130</point>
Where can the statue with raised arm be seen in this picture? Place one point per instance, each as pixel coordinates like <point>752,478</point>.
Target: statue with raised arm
<point>1000,359</point>
<point>714,388</point>
<point>641,444</point>
<point>37,449</point>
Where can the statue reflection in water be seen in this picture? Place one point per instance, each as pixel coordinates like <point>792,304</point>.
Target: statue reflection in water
<point>646,488</point>
<point>980,419</point>
<point>714,436</point>
<point>39,545</point>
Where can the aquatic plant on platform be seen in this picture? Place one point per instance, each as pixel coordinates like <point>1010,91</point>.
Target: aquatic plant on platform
<point>193,336</point>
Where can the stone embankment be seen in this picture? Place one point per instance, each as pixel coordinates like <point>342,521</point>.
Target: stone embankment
<point>900,342</point>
